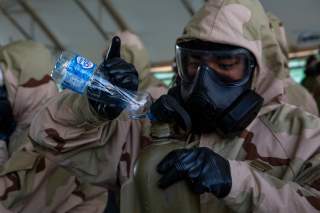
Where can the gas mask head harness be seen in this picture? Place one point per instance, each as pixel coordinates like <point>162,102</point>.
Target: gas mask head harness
<point>215,81</point>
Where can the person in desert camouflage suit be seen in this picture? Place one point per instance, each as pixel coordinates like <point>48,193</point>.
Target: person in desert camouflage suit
<point>294,93</point>
<point>32,62</point>
<point>273,163</point>
<point>25,66</point>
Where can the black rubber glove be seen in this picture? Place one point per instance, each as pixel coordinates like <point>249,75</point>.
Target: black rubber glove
<point>203,169</point>
<point>167,109</point>
<point>7,123</point>
<point>119,73</point>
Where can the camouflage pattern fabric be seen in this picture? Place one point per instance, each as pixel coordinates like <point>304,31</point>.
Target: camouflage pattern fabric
<point>274,163</point>
<point>294,93</point>
<point>26,66</point>
<point>32,183</point>
<point>97,152</point>
<point>297,95</point>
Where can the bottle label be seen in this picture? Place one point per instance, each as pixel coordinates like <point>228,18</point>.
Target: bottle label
<point>79,72</point>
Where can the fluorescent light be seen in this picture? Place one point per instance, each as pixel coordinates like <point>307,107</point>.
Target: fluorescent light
<point>165,68</point>
<point>301,54</point>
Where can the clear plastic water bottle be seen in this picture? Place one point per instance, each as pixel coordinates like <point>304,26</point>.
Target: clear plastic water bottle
<point>77,73</point>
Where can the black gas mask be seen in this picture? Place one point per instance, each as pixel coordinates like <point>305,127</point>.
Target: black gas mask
<point>7,123</point>
<point>313,70</point>
<point>215,86</point>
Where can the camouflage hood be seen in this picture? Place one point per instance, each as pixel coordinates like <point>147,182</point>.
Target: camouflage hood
<point>26,66</point>
<point>243,23</point>
<point>280,33</point>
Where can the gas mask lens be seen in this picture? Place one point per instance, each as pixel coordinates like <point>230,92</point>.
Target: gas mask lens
<point>231,66</point>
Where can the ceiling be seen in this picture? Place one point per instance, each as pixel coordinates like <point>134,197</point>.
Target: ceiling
<point>158,23</point>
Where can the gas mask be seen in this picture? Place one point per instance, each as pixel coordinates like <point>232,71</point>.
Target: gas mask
<point>313,70</point>
<point>215,86</point>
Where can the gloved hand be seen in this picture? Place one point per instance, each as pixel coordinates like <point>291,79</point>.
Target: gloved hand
<point>203,169</point>
<point>119,73</point>
<point>167,109</point>
<point>7,123</point>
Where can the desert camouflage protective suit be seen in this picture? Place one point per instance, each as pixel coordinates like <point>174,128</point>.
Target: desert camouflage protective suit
<point>274,163</point>
<point>134,52</point>
<point>26,66</point>
<point>29,182</point>
<point>294,93</point>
